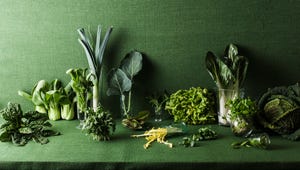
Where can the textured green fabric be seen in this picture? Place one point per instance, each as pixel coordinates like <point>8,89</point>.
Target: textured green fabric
<point>74,150</point>
<point>39,41</point>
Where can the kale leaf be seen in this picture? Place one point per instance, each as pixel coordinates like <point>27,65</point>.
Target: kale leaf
<point>19,128</point>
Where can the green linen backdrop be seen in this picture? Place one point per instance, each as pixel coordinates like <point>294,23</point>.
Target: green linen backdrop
<point>38,40</point>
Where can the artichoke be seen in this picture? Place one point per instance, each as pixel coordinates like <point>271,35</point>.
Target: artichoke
<point>280,109</point>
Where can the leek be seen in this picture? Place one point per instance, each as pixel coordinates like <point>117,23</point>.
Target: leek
<point>94,58</point>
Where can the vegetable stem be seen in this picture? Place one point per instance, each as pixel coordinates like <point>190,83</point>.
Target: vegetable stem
<point>129,102</point>
<point>95,95</point>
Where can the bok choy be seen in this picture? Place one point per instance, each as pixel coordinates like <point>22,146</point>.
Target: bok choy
<point>37,96</point>
<point>51,99</point>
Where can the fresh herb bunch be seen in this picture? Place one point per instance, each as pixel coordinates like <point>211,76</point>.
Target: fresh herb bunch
<point>99,124</point>
<point>158,101</point>
<point>192,106</point>
<point>244,107</point>
<point>204,133</point>
<point>19,128</point>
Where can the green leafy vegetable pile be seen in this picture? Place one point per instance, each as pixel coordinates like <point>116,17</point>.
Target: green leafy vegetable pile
<point>193,106</point>
<point>99,124</point>
<point>204,133</point>
<point>281,109</point>
<point>19,127</point>
<point>52,98</point>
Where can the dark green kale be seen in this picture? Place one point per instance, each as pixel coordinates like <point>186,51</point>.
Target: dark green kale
<point>19,128</point>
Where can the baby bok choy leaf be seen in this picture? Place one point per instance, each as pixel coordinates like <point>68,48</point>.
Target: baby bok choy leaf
<point>68,103</point>
<point>53,98</point>
<point>37,96</point>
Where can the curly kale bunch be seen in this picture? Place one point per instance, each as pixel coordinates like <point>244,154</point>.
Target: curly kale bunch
<point>19,128</point>
<point>193,106</point>
<point>99,124</point>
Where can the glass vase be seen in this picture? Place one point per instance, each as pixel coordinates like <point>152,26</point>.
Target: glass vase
<point>80,117</point>
<point>242,126</point>
<point>158,115</point>
<point>224,95</point>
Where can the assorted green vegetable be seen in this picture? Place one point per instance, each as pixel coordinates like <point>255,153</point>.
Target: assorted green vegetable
<point>229,73</point>
<point>120,80</point>
<point>277,110</point>
<point>52,99</point>
<point>37,96</point>
<point>94,54</point>
<point>244,107</point>
<point>20,128</point>
<point>193,106</point>
<point>260,141</point>
<point>136,122</point>
<point>158,102</point>
<point>204,133</point>
<point>99,124</point>
<point>280,109</point>
<point>81,85</point>
<point>242,112</point>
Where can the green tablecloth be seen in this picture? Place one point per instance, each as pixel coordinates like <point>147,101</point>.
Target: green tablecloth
<point>74,150</point>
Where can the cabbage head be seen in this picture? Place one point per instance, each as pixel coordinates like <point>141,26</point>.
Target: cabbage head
<point>280,109</point>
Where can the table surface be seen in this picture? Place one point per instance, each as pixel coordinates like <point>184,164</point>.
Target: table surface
<point>74,150</point>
